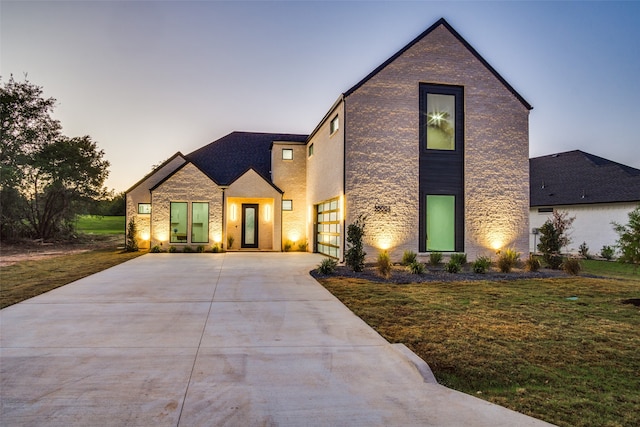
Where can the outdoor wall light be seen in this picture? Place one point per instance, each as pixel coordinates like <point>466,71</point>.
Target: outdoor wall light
<point>233,212</point>
<point>267,212</point>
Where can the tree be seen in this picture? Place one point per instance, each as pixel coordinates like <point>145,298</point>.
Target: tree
<point>554,235</point>
<point>354,256</point>
<point>629,241</point>
<point>45,174</point>
<point>131,243</point>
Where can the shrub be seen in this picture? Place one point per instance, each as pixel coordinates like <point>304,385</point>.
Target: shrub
<point>302,247</point>
<point>408,258</point>
<point>416,267</point>
<point>553,237</point>
<point>131,243</point>
<point>507,260</point>
<point>435,258</point>
<point>481,265</point>
<point>173,249</point>
<point>287,246</point>
<point>155,250</point>
<point>327,266</point>
<point>384,264</point>
<point>629,238</point>
<point>200,249</point>
<point>583,250</point>
<point>230,241</point>
<point>215,249</point>
<point>452,267</point>
<point>532,263</point>
<point>607,252</point>
<point>187,249</point>
<point>354,256</point>
<point>572,266</point>
<point>459,258</point>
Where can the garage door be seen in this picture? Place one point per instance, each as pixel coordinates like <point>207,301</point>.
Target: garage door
<point>328,228</point>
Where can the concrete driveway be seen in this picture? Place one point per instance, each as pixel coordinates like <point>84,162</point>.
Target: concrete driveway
<point>236,339</point>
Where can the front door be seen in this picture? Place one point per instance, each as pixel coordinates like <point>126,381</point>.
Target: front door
<point>249,225</point>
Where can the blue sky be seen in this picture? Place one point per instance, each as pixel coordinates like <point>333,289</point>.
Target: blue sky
<point>146,79</point>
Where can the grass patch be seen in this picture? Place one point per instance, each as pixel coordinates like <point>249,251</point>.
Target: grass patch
<point>521,344</point>
<point>28,279</point>
<point>610,269</point>
<point>96,224</point>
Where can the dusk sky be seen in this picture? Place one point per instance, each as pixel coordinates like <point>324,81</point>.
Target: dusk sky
<point>147,79</point>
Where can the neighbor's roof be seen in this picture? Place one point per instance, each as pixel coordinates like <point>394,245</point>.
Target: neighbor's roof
<point>227,158</point>
<point>449,28</point>
<point>576,177</point>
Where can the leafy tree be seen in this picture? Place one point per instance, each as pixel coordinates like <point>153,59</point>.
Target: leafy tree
<point>47,175</point>
<point>629,241</point>
<point>354,256</point>
<point>554,235</point>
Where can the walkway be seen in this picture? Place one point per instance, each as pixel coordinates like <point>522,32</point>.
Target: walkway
<point>238,339</point>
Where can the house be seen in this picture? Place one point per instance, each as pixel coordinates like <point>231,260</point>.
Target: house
<point>594,190</point>
<point>431,147</point>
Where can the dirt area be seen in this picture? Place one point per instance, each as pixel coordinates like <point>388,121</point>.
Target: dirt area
<point>30,250</point>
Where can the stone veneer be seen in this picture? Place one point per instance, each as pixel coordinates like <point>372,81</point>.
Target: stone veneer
<point>188,184</point>
<point>382,143</point>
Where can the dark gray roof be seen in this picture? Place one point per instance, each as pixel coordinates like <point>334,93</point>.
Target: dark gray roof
<point>576,177</point>
<point>470,48</point>
<point>229,157</point>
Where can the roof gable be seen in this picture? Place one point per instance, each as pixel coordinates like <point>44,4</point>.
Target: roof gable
<point>576,177</point>
<point>227,158</point>
<point>246,185</point>
<point>449,28</point>
<point>158,169</point>
<point>178,169</point>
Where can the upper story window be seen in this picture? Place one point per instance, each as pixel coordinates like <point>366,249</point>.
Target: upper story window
<point>334,125</point>
<point>311,150</point>
<point>144,208</point>
<point>287,154</point>
<point>287,205</point>
<point>441,117</point>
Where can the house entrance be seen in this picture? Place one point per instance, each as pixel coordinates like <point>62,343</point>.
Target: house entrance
<point>249,225</point>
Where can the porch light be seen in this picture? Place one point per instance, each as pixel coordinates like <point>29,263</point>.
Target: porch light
<point>233,212</point>
<point>267,212</point>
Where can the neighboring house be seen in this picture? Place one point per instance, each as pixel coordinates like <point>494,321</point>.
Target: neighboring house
<point>594,190</point>
<point>431,146</point>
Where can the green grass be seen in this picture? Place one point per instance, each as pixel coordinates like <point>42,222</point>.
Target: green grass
<point>610,269</point>
<point>521,344</point>
<point>27,279</point>
<point>96,224</point>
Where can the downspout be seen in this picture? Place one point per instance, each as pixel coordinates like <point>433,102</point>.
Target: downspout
<point>224,216</point>
<point>344,178</point>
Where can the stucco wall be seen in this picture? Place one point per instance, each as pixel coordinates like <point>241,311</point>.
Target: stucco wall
<point>252,188</point>
<point>291,177</point>
<point>140,194</point>
<point>188,184</point>
<point>325,168</point>
<point>592,224</point>
<point>382,143</point>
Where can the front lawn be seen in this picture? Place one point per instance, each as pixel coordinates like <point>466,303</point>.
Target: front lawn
<point>564,350</point>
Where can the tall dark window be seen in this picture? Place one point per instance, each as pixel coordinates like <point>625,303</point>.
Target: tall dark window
<point>441,223</point>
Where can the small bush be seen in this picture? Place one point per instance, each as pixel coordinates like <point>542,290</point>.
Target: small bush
<point>131,244</point>
<point>572,266</point>
<point>327,266</point>
<point>287,246</point>
<point>173,249</point>
<point>553,261</point>
<point>384,264</point>
<point>417,267</point>
<point>481,265</point>
<point>230,241</point>
<point>435,258</point>
<point>583,250</point>
<point>459,258</point>
<point>215,249</point>
<point>452,267</point>
<point>155,250</point>
<point>507,260</point>
<point>200,249</point>
<point>355,254</point>
<point>408,258</point>
<point>187,249</point>
<point>532,264</point>
<point>302,247</point>
<point>607,252</point>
